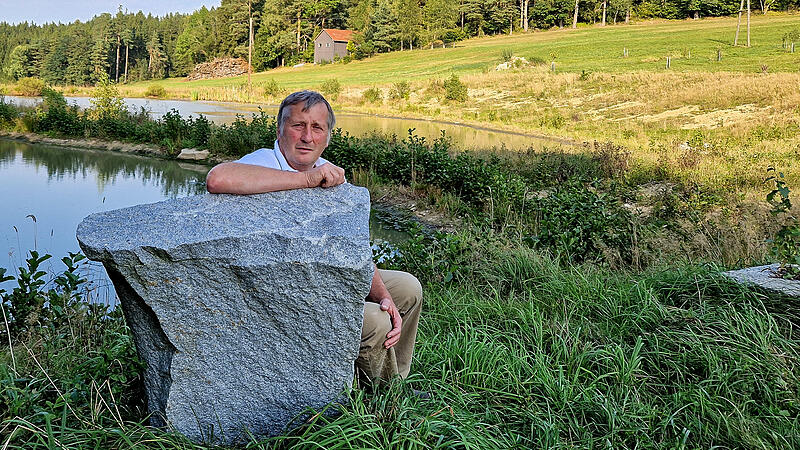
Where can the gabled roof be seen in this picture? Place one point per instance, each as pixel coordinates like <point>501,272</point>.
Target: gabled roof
<point>338,35</point>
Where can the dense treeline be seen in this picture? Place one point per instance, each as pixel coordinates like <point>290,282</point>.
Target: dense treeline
<point>130,47</point>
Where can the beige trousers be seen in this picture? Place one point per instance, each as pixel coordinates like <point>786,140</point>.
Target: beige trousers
<point>375,362</point>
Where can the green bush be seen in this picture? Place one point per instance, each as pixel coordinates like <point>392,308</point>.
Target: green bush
<point>583,223</point>
<point>506,54</point>
<point>242,137</point>
<point>536,61</point>
<point>400,90</point>
<point>331,88</point>
<point>271,88</point>
<point>29,87</point>
<point>8,113</point>
<point>373,95</point>
<point>155,91</point>
<point>107,102</point>
<point>455,90</point>
<point>77,352</point>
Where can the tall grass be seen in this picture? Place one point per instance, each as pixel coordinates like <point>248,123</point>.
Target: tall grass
<point>518,351</point>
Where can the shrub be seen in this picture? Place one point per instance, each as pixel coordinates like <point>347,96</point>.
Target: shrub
<point>29,87</point>
<point>271,88</point>
<point>785,246</point>
<point>435,88</point>
<point>51,98</point>
<point>373,95</point>
<point>8,113</point>
<point>107,102</point>
<point>536,61</point>
<point>156,91</point>
<point>331,88</point>
<point>200,131</point>
<point>506,54</point>
<point>242,137</point>
<point>400,90</point>
<point>583,223</point>
<point>175,129</point>
<point>455,90</point>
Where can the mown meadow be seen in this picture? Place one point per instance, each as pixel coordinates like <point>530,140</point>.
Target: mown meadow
<point>575,299</point>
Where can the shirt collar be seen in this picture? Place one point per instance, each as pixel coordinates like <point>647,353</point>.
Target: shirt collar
<point>284,165</point>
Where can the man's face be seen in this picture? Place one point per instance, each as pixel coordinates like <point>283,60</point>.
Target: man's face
<point>304,135</point>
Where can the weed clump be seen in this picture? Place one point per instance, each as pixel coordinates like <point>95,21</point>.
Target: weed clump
<point>107,104</point>
<point>155,91</point>
<point>785,246</point>
<point>400,91</point>
<point>372,95</point>
<point>271,88</point>
<point>331,88</point>
<point>29,87</point>
<point>455,90</point>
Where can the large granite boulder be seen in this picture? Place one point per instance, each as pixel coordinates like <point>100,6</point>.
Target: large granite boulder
<point>246,309</point>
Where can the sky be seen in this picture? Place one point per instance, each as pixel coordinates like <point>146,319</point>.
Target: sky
<point>66,11</point>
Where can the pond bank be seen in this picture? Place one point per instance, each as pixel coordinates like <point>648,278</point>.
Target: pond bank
<point>399,204</point>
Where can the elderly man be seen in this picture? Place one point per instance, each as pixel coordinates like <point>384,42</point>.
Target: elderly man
<point>392,308</point>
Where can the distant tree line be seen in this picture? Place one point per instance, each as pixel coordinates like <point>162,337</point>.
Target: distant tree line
<point>130,47</point>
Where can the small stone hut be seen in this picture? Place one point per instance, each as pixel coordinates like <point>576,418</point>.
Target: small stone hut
<point>331,43</point>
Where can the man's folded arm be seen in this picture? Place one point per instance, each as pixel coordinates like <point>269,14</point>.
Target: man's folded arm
<point>239,178</point>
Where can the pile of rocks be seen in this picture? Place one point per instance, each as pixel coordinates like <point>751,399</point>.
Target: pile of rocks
<point>514,63</point>
<point>218,68</point>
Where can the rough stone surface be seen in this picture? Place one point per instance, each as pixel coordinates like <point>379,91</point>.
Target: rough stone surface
<point>246,309</point>
<point>193,154</point>
<point>765,277</point>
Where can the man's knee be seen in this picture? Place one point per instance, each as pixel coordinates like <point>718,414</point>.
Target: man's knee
<point>406,290</point>
<point>376,322</point>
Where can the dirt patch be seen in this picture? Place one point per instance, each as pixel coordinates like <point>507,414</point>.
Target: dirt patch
<point>405,200</point>
<point>721,117</point>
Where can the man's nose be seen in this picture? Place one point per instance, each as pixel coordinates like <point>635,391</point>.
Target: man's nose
<point>306,135</point>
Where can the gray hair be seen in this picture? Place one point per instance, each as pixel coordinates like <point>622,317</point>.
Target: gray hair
<point>309,99</point>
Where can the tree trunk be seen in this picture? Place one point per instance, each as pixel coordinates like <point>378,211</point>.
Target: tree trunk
<point>298,31</point>
<point>116,76</point>
<point>738,24</point>
<point>575,17</point>
<point>628,15</point>
<point>748,23</point>
<point>525,6</point>
<point>127,47</point>
<point>250,50</point>
<point>605,7</point>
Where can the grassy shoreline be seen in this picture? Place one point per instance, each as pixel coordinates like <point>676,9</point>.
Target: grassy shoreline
<point>522,344</point>
<point>578,303</point>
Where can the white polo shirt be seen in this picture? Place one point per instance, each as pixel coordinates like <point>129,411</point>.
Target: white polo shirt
<point>272,158</point>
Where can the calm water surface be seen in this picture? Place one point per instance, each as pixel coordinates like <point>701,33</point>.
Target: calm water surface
<point>463,136</point>
<point>46,191</point>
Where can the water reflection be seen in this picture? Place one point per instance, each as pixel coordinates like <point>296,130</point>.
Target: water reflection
<point>46,191</point>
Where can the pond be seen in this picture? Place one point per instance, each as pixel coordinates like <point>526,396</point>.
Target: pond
<point>463,136</point>
<point>46,191</point>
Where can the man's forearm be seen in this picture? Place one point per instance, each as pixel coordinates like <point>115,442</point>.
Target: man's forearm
<point>238,178</point>
<point>377,291</point>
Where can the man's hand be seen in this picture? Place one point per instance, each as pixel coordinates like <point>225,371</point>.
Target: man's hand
<point>326,175</point>
<point>387,304</point>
